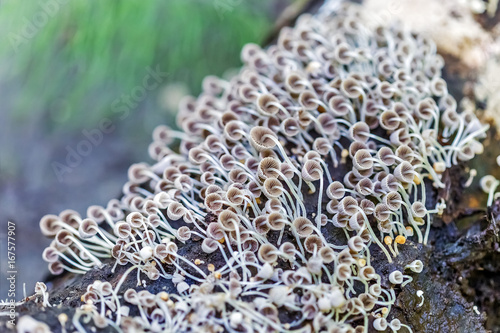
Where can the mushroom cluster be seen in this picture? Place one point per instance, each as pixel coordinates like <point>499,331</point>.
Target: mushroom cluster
<point>293,174</point>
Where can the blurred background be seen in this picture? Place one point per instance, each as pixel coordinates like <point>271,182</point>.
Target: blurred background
<point>82,86</point>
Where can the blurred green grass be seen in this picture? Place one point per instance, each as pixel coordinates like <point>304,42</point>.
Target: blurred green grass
<point>70,68</point>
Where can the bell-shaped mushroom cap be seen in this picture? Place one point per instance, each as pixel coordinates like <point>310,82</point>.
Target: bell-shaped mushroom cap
<point>342,54</point>
<point>209,245</point>
<point>396,277</point>
<point>404,172</point>
<point>416,266</point>
<point>393,200</point>
<point>343,272</point>
<point>355,146</point>
<point>465,153</point>
<point>405,153</point>
<point>418,209</point>
<point>313,243</point>
<point>367,206</point>
<point>268,253</point>
<point>303,226</point>
<point>213,202</point>
<point>356,243</point>
<point>88,228</point>
<point>229,220</point>
<point>357,221</point>
<point>175,211</point>
<point>389,183</point>
<point>359,131</point>
<point>50,225</point>
<point>308,100</point>
<point>269,167</point>
<point>322,146</point>
<point>380,324</point>
<point>426,109</point>
<point>488,182</point>
<point>70,217</point>
<point>450,117</point>
<point>327,254</point>
<point>288,249</point>
<point>367,300</point>
<point>364,186</point>
<point>233,131</point>
<point>267,104</point>
<point>262,138</point>
<point>382,212</point>
<point>261,225</point>
<point>214,230</point>
<point>389,120</point>
<point>312,170</point>
<point>438,86</point>
<point>351,88</point>
<point>183,233</point>
<point>339,105</point>
<point>272,188</point>
<point>290,127</point>
<point>50,254</point>
<point>137,173</point>
<point>348,205</point>
<point>335,190</point>
<point>276,221</point>
<point>362,160</point>
<point>386,156</point>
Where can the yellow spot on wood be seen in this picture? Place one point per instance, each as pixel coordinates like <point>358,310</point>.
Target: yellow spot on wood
<point>473,202</point>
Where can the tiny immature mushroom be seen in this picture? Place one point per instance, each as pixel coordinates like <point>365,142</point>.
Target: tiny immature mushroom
<point>380,324</point>
<point>415,266</point>
<point>420,294</point>
<point>41,290</point>
<point>489,184</point>
<point>396,277</point>
<point>63,319</point>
